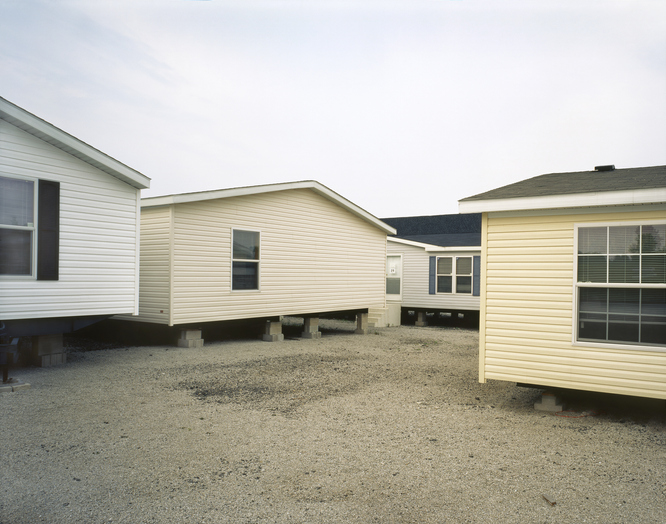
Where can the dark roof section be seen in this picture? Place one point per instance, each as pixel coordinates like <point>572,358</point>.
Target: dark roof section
<point>439,230</point>
<point>580,182</point>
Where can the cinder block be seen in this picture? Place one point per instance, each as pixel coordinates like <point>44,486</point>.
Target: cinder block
<point>190,334</point>
<point>190,342</point>
<point>549,402</point>
<point>5,388</point>
<point>277,337</point>
<point>362,324</point>
<point>20,386</point>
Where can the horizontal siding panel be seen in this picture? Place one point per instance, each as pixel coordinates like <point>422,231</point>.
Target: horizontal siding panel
<point>98,217</point>
<point>529,317</point>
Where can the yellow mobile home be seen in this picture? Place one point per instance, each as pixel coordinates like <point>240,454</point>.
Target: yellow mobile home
<point>573,281</point>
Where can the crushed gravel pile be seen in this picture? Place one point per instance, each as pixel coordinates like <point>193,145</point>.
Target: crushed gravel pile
<point>390,427</point>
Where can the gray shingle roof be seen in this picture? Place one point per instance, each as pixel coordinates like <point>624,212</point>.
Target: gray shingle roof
<point>580,182</point>
<point>439,230</point>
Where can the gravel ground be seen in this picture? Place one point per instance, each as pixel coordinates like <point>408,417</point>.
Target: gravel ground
<point>389,427</point>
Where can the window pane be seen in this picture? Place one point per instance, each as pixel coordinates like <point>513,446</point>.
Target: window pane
<point>464,266</point>
<point>623,301</point>
<point>592,269</point>
<point>463,284</point>
<point>592,326</point>
<point>245,275</point>
<point>246,245</point>
<point>593,300</point>
<point>392,286</point>
<point>623,268</point>
<point>592,240</point>
<point>444,284</point>
<point>15,252</point>
<point>653,302</point>
<point>624,239</point>
<point>623,328</point>
<point>654,239</point>
<point>654,269</point>
<point>444,266</point>
<point>16,202</point>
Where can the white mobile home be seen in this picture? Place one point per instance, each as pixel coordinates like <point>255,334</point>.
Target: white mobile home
<point>259,252</point>
<point>573,289</point>
<point>433,266</point>
<point>69,225</point>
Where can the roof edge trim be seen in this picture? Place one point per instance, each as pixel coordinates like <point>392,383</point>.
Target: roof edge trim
<point>601,198</point>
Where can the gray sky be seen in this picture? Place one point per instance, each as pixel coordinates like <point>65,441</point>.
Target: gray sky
<point>402,106</point>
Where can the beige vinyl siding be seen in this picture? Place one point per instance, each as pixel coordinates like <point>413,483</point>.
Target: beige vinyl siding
<point>98,228</point>
<point>315,257</point>
<point>528,318</point>
<point>155,266</point>
<point>416,279</point>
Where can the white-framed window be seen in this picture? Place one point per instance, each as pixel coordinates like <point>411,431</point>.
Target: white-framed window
<point>245,258</point>
<point>454,275</point>
<point>621,283</point>
<point>18,219</point>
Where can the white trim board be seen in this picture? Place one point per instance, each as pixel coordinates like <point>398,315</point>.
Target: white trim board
<point>600,198</point>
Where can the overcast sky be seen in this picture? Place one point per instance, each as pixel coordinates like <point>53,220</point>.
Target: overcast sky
<point>402,106</point>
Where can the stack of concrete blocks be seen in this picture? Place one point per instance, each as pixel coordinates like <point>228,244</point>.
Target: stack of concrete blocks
<point>362,324</point>
<point>549,402</point>
<point>48,350</point>
<point>273,331</point>
<point>190,338</point>
<point>311,328</point>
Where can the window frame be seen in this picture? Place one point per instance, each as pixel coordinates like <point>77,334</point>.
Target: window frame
<point>257,261</point>
<point>32,229</point>
<point>454,275</point>
<point>577,286</point>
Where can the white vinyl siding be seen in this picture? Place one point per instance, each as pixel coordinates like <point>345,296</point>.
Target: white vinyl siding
<point>98,228</point>
<point>315,257</point>
<point>528,293</point>
<point>415,280</point>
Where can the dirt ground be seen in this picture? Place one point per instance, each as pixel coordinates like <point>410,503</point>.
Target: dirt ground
<point>387,427</point>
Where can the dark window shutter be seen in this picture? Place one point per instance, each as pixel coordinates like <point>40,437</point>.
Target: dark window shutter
<point>433,276</point>
<point>48,231</point>
<point>476,287</point>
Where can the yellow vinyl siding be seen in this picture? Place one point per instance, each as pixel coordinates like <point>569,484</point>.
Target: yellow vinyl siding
<point>527,321</point>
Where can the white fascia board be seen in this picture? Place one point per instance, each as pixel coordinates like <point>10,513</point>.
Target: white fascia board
<point>431,247</point>
<point>268,188</point>
<point>57,137</point>
<point>600,198</point>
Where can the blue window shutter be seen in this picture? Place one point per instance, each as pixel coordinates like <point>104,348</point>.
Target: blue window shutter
<point>476,272</point>
<point>433,276</point>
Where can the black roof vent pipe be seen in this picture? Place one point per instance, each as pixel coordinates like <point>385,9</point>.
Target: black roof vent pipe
<point>605,168</point>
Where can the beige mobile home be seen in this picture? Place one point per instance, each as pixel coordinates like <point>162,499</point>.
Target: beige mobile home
<point>573,291</point>
<point>433,268</point>
<point>259,252</point>
<point>69,226</point>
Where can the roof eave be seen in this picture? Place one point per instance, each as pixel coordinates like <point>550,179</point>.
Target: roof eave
<point>596,199</point>
<point>57,137</point>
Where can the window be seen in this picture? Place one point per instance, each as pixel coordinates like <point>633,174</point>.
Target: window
<point>17,226</point>
<point>245,260</point>
<point>621,284</point>
<point>454,275</point>
<point>29,228</point>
